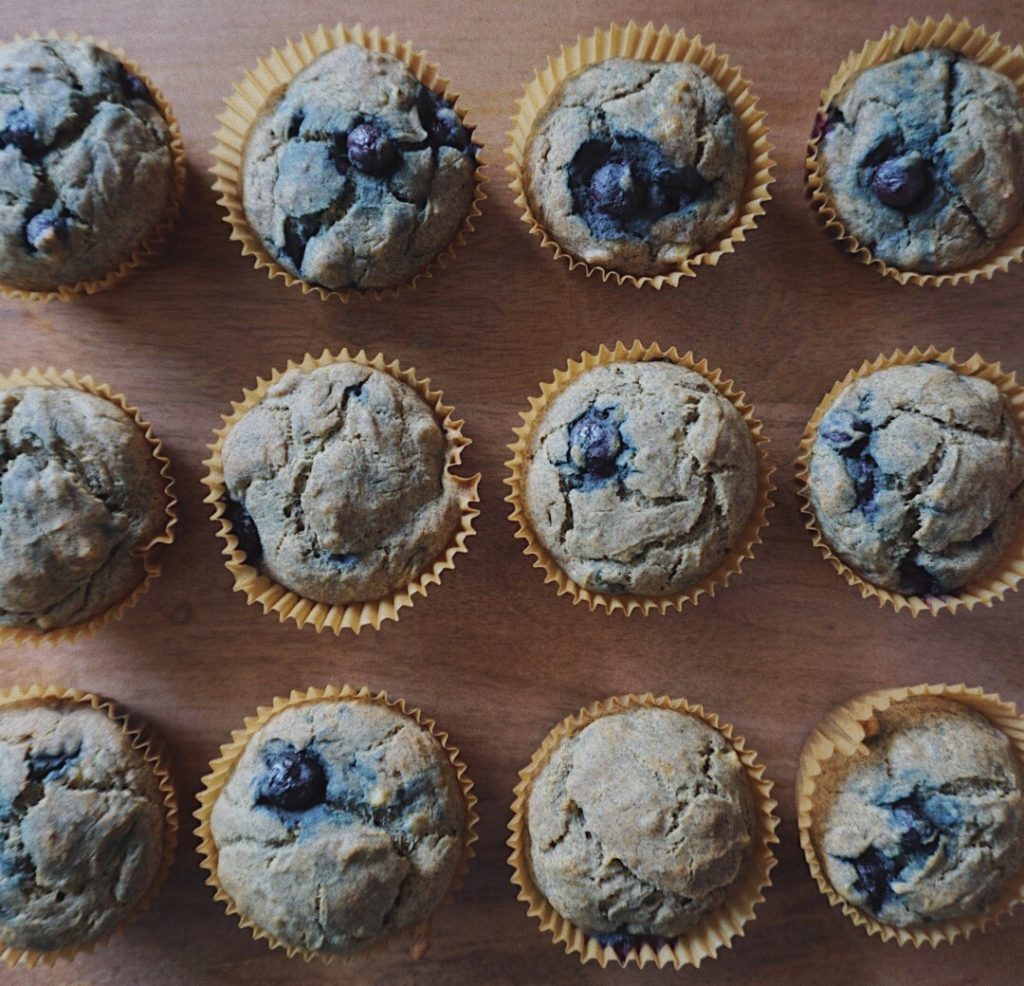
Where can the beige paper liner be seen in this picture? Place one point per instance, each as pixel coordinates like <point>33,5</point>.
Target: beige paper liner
<point>646,44</point>
<point>975,43</point>
<point>742,549</point>
<point>289,605</point>
<point>155,239</point>
<point>841,734</point>
<point>223,766</point>
<point>261,87</point>
<point>718,928</point>
<point>1005,573</point>
<point>152,752</point>
<point>150,553</point>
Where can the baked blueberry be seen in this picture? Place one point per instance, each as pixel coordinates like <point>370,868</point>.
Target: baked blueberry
<point>875,870</point>
<point>900,181</point>
<point>133,87</point>
<point>295,780</point>
<point>18,130</point>
<point>919,831</point>
<point>44,231</point>
<point>43,765</point>
<point>845,431</point>
<point>595,442</point>
<point>244,528</point>
<point>372,151</point>
<point>916,580</point>
<point>614,190</point>
<point>441,122</point>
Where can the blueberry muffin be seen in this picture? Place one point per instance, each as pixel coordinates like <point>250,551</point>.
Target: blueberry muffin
<point>639,478</point>
<point>357,176</point>
<point>636,166</point>
<point>646,857</point>
<point>337,484</point>
<point>81,501</point>
<point>342,822</point>
<point>915,477</point>
<point>81,825</point>
<point>923,160</point>
<point>86,171</point>
<point>927,823</point>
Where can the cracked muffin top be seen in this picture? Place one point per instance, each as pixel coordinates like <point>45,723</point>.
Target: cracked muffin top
<point>928,824</point>
<point>81,825</point>
<point>337,484</point>
<point>915,477</point>
<point>639,478</point>
<point>342,822</point>
<point>85,164</point>
<point>640,824</point>
<point>923,158</point>
<point>358,176</point>
<point>636,166</point>
<point>81,499</point>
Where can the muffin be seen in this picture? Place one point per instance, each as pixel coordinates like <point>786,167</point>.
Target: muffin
<point>82,503</point>
<point>922,823</point>
<point>636,166</point>
<point>357,175</point>
<point>336,482</point>
<point>922,160</point>
<point>84,823</point>
<point>667,863</point>
<point>87,171</point>
<point>915,477</point>
<point>638,478</point>
<point>335,823</point>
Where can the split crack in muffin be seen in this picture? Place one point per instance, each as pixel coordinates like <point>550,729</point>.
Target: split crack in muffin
<point>80,495</point>
<point>639,478</point>
<point>342,822</point>
<point>85,163</point>
<point>359,176</point>
<point>81,825</point>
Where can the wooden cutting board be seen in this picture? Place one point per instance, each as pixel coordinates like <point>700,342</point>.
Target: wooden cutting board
<point>492,652</point>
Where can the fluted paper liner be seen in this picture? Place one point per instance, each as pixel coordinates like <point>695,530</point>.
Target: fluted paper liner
<point>741,550</point>
<point>261,87</point>
<point>223,766</point>
<point>289,605</point>
<point>150,553</point>
<point>152,752</point>
<point>154,240</point>
<point>975,43</point>
<point>716,929</point>
<point>647,44</point>
<point>840,734</point>
<point>990,586</point>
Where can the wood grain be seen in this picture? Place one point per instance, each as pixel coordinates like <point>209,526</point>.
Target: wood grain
<point>492,653</point>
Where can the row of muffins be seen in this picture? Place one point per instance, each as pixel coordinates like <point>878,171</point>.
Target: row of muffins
<point>345,165</point>
<point>639,481</point>
<point>338,820</point>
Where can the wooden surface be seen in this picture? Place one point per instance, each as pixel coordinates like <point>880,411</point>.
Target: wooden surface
<point>492,652</point>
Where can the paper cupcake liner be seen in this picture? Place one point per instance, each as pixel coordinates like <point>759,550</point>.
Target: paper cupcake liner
<point>841,734</point>
<point>155,239</point>
<point>289,605</point>
<point>152,752</point>
<point>1004,574</point>
<point>975,43</point>
<point>223,766</point>
<point>150,553</point>
<point>718,928</point>
<point>647,44</point>
<point>260,88</point>
<point>742,549</point>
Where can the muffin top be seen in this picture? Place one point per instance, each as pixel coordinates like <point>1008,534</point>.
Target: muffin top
<point>81,825</point>
<point>640,824</point>
<point>636,166</point>
<point>927,825</point>
<point>343,821</point>
<point>358,176</point>
<point>915,477</point>
<point>923,158</point>
<point>85,163</point>
<point>639,478</point>
<point>337,483</point>
<point>81,498</point>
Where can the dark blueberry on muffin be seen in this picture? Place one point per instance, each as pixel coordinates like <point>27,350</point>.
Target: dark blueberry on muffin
<point>900,181</point>
<point>372,151</point>
<point>595,442</point>
<point>244,528</point>
<point>295,780</point>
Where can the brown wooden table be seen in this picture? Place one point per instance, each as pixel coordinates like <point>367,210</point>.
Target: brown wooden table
<point>492,652</point>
